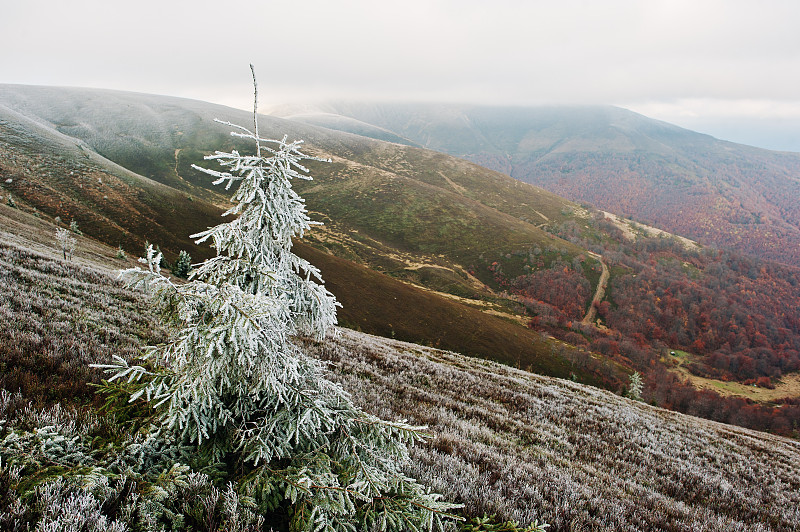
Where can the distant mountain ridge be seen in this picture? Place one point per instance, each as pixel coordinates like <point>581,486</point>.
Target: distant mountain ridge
<point>688,183</point>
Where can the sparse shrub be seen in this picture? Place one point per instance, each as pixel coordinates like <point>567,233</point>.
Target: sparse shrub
<point>73,226</point>
<point>65,242</point>
<point>10,202</point>
<point>765,382</point>
<point>121,253</point>
<point>635,386</point>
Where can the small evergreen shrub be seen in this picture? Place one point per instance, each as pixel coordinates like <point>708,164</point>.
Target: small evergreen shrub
<point>65,242</point>
<point>635,386</point>
<point>183,265</point>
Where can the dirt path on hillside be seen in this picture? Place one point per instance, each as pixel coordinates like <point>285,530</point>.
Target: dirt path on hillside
<point>591,314</point>
<point>458,188</point>
<point>177,154</point>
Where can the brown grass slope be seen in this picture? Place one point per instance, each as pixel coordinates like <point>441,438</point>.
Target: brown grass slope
<point>394,204</point>
<point>62,177</point>
<point>373,302</point>
<point>434,207</point>
<point>503,441</point>
<point>377,304</point>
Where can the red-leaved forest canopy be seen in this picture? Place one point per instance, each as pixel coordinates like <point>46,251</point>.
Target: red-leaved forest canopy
<point>738,316</point>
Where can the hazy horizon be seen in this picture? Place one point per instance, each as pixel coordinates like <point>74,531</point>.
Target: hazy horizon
<point>727,68</point>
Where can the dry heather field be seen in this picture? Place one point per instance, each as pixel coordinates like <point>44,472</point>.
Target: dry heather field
<point>526,446</point>
<point>503,442</point>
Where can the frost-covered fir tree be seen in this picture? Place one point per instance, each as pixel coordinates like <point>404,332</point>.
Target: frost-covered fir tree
<point>635,386</point>
<point>183,265</point>
<point>233,387</point>
<point>65,242</point>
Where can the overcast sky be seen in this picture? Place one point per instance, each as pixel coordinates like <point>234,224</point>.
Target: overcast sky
<point>729,68</point>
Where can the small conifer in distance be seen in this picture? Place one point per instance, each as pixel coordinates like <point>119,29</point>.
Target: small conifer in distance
<point>66,242</point>
<point>635,386</point>
<point>183,265</point>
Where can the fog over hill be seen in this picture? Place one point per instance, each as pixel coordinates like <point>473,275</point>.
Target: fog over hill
<point>392,207</point>
<point>688,183</point>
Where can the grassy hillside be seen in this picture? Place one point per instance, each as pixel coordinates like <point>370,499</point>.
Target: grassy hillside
<point>372,302</point>
<point>389,308</point>
<point>407,205</point>
<point>574,456</point>
<point>503,441</point>
<point>687,183</point>
<point>416,215</point>
<point>63,177</point>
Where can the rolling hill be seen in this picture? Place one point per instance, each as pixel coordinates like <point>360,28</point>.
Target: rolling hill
<point>52,174</point>
<point>395,208</point>
<point>690,184</point>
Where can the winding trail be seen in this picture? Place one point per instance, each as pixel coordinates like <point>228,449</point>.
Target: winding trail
<point>602,284</point>
<point>177,154</point>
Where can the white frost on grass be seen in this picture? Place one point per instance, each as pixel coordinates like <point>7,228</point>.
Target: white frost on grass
<point>530,447</point>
